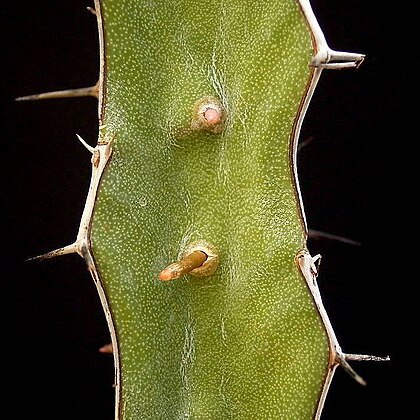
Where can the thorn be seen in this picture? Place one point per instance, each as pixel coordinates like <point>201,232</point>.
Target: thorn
<point>107,348</point>
<point>316,262</point>
<point>341,360</point>
<point>89,147</point>
<point>330,59</point>
<point>69,93</point>
<point>305,143</point>
<point>366,357</point>
<point>188,263</point>
<point>317,234</point>
<point>69,249</point>
<point>91,10</point>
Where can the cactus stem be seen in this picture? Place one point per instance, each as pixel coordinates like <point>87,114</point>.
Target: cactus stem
<point>184,266</point>
<point>89,147</point>
<point>68,93</point>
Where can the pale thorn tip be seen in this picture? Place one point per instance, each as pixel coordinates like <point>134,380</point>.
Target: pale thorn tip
<point>88,146</point>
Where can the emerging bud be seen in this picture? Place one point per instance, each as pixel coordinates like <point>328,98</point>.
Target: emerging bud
<point>208,115</point>
<point>199,259</point>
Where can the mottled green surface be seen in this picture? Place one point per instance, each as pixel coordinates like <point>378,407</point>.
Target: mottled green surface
<point>247,342</point>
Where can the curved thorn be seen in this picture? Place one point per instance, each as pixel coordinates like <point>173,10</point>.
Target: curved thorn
<point>88,146</point>
<point>68,93</point>
<point>318,234</point>
<point>69,249</point>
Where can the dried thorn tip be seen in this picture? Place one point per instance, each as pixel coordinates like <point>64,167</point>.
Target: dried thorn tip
<point>188,263</point>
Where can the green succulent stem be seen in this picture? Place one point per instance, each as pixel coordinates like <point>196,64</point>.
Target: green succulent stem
<point>247,341</point>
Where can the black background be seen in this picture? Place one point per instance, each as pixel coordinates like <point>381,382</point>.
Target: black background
<point>53,322</point>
